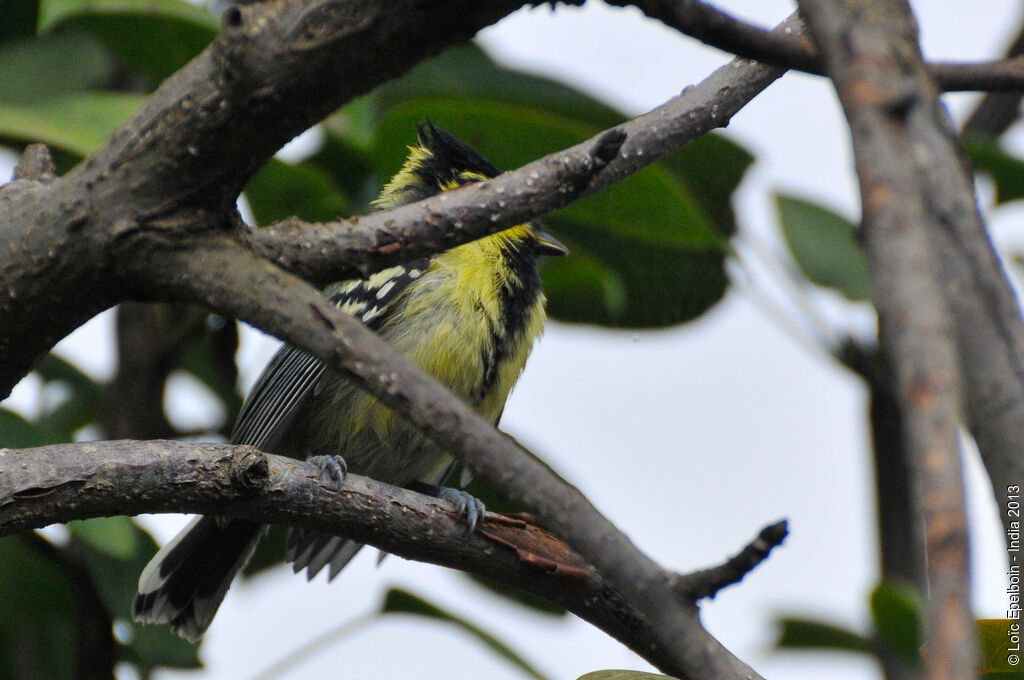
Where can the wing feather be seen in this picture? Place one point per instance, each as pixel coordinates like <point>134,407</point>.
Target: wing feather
<point>292,375</point>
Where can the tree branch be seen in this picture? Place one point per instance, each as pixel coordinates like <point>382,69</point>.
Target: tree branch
<point>35,163</point>
<point>173,245</point>
<point>333,251</point>
<point>707,582</point>
<point>716,28</point>
<point>997,111</point>
<point>178,165</point>
<point>336,250</point>
<point>872,55</point>
<point>274,69</point>
<point>77,481</point>
<point>237,284</point>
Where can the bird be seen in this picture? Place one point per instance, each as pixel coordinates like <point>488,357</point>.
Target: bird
<point>469,316</point>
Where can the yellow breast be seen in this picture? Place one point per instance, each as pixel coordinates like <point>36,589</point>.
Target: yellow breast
<point>452,326</point>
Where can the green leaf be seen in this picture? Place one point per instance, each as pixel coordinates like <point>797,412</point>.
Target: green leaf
<point>115,575</point>
<point>468,73</point>
<point>38,631</point>
<point>401,602</point>
<point>712,167</point>
<point>622,675</point>
<point>1001,648</point>
<point>825,247</point>
<point>210,356</point>
<point>532,602</point>
<point>807,634</point>
<point>896,612</point>
<point>79,409</point>
<point>584,289</point>
<point>355,122</point>
<point>53,368</point>
<point>646,254</point>
<point>154,647</point>
<point>112,536</point>
<point>304,190</point>
<point>77,123</point>
<point>349,167</point>
<point>269,552</point>
<point>1006,171</point>
<point>18,433</point>
<point>19,19</point>
<point>154,37</point>
<point>51,66</point>
<point>647,286</point>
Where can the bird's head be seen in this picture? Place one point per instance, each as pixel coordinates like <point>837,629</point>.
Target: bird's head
<point>440,162</point>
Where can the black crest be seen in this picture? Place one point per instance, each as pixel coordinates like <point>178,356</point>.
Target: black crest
<point>449,158</point>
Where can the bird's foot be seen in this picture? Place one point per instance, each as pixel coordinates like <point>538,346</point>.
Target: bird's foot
<point>333,470</point>
<point>465,504</point>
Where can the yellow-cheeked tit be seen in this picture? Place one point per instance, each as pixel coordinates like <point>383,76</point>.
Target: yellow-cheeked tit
<point>468,316</point>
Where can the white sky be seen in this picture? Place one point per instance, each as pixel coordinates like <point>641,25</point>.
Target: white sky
<point>690,439</point>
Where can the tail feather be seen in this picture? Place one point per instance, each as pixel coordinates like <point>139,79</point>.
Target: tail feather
<point>186,581</point>
<point>312,551</point>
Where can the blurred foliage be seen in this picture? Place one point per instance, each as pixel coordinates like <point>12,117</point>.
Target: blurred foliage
<point>398,601</point>
<point>896,631</point>
<point>1005,170</point>
<point>151,37</point>
<point>623,675</point>
<point>825,247</point>
<point>646,252</point>
<point>1000,649</point>
<point>897,616</point>
<point>809,634</point>
<point>41,635</point>
<point>51,66</point>
<point>75,584</point>
<point>649,252</point>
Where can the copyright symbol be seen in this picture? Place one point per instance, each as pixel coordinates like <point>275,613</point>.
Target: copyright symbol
<point>1013,659</point>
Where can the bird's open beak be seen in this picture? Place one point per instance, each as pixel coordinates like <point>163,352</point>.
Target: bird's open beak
<point>548,244</point>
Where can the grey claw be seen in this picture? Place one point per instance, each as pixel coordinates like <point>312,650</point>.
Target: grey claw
<point>333,469</point>
<point>466,505</point>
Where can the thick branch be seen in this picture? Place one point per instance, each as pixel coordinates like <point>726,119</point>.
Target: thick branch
<point>164,247</point>
<point>872,56</point>
<point>275,69</point>
<point>238,284</point>
<point>330,251</point>
<point>717,29</point>
<point>333,251</point>
<point>77,481</point>
<point>178,165</point>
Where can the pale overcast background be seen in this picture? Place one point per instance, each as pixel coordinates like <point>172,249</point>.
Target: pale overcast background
<point>690,439</point>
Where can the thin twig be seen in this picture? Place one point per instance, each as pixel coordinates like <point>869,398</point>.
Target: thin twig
<point>707,582</point>
<point>718,29</point>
